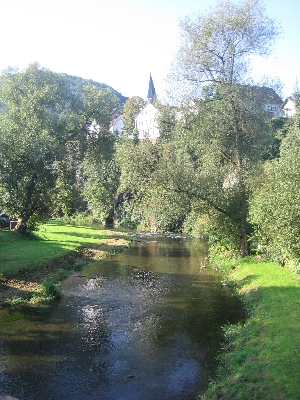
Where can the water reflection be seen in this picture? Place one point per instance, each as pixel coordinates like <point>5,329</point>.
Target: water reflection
<point>144,324</point>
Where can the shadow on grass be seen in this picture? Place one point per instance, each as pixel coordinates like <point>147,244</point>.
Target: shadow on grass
<point>25,264</point>
<point>247,280</point>
<point>261,358</point>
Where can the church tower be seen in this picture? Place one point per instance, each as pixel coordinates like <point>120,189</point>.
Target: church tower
<point>151,90</point>
<point>145,121</point>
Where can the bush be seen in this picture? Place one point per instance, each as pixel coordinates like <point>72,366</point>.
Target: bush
<point>50,290</point>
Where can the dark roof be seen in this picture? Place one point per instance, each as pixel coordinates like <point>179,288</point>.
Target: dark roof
<point>151,90</point>
<point>269,95</point>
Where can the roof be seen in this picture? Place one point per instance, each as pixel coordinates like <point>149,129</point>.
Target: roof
<point>114,121</point>
<point>268,95</point>
<point>151,90</point>
<point>145,106</point>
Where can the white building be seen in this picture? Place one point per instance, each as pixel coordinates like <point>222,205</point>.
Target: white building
<point>288,107</point>
<point>117,125</point>
<point>146,123</point>
<point>146,120</point>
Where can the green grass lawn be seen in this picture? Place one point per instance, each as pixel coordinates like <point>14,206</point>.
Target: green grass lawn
<point>261,359</point>
<point>55,239</point>
<point>32,266</point>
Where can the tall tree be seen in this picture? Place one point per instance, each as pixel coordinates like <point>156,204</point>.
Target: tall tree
<point>275,205</point>
<point>215,49</point>
<point>40,121</point>
<point>216,45</point>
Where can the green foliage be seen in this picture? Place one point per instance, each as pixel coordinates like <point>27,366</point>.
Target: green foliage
<point>43,127</point>
<point>166,120</point>
<point>274,208</point>
<point>280,127</point>
<point>30,130</point>
<point>148,185</point>
<point>101,179</point>
<point>228,135</point>
<point>77,84</point>
<point>131,108</point>
<point>215,45</point>
<point>213,160</point>
<point>50,290</point>
<point>67,196</point>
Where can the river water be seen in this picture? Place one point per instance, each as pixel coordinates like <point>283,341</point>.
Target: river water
<point>144,324</point>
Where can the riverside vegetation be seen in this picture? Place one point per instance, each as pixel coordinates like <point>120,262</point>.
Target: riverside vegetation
<point>259,359</point>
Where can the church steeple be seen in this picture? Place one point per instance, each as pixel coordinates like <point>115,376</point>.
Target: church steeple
<point>151,90</point>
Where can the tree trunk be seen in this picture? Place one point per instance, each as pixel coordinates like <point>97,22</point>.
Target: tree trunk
<point>27,209</point>
<point>244,243</point>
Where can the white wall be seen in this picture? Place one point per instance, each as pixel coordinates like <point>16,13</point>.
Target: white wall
<point>117,126</point>
<point>146,122</point>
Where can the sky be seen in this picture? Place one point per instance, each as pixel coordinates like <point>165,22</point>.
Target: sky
<point>120,42</point>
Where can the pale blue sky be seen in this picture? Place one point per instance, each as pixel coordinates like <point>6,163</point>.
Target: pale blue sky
<point>119,42</point>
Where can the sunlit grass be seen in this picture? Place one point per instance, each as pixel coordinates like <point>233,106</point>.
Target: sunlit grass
<point>50,241</point>
<point>261,358</point>
<point>32,266</point>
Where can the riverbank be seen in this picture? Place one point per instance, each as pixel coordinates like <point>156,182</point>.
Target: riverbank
<point>32,266</point>
<point>260,359</point>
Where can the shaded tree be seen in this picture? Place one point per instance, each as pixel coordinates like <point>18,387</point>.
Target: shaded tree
<point>274,206</point>
<point>215,49</point>
<point>42,124</point>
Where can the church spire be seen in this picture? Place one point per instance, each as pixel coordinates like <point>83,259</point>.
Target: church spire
<point>151,90</point>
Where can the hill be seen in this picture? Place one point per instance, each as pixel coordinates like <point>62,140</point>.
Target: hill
<point>77,83</point>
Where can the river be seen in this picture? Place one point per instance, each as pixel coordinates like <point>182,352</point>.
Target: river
<point>144,324</point>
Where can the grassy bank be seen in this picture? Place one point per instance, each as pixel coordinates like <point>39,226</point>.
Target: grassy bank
<point>30,267</point>
<point>261,359</point>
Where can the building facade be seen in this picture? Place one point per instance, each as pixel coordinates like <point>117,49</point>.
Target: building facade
<point>146,119</point>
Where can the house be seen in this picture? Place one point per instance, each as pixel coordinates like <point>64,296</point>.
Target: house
<point>117,125</point>
<point>267,96</point>
<point>288,107</point>
<point>273,103</point>
<point>146,119</point>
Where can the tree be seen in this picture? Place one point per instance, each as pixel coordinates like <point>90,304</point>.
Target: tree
<point>131,108</point>
<point>166,120</point>
<point>42,124</point>
<point>101,179</point>
<point>215,49</point>
<point>137,163</point>
<point>32,101</point>
<point>215,46</point>
<point>274,206</point>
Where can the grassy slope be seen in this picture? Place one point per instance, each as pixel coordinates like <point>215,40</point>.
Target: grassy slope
<point>261,359</point>
<point>27,264</point>
<point>56,239</point>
